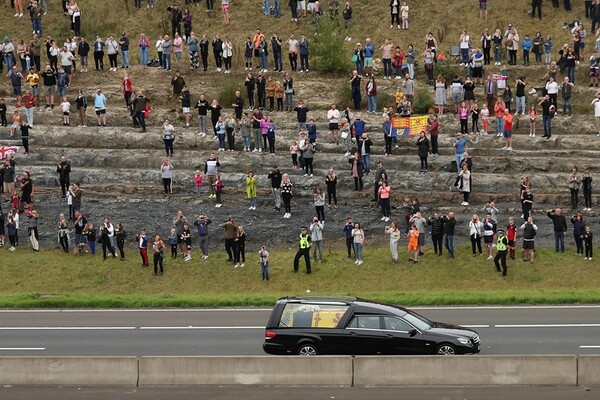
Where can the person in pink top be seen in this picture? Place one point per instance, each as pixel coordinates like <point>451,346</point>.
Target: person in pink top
<point>384,200</point>
<point>264,130</point>
<point>386,57</point>
<point>178,48</point>
<point>463,116</point>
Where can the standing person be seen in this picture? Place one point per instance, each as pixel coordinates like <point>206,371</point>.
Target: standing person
<point>177,83</point>
<point>384,200</point>
<point>357,170</point>
<point>178,223</point>
<point>559,223</point>
<point>107,231</point>
<point>574,182</point>
<point>99,53</point>
<point>433,131</point>
<point>81,105</point>
<point>508,126</point>
<point>331,183</point>
<point>263,257</point>
<point>193,46</point>
<point>186,241</point>
<point>460,148</point>
<point>548,110</point>
<point>63,231</point>
<point>166,170</point>
<point>489,231</point>
<point>202,105</point>
<point>586,182</point>
<point>449,224</point>
<point>231,231</point>
<point>304,53</point>
<point>121,235</point>
<point>501,252</point>
<point>204,46</point>
<point>63,169</point>
<point>140,104</point>
<point>100,107</point>
<point>333,115</point>
<point>275,178</point>
<point>437,232</point>
<point>589,246</point>
<point>578,232</point>
<point>303,250</point>
<point>32,229</point>
<point>423,151</point>
<point>394,234</point>
<point>168,136</point>
<point>186,104</point>
<point>475,233</point>
<point>358,240</point>
<point>239,252</point>
<point>286,195</point>
<point>202,222</point>
<point>371,92</point>
<point>307,156</point>
<point>158,250</point>
<point>251,190</point>
<point>511,235</point>
<point>465,184</point>
<point>217,46</point>
<point>211,170</point>
<point>388,134</point>
<point>355,87</point>
<point>319,202</point>
<point>316,234</point>
<point>413,244</point>
<point>364,147</point>
<point>348,227</point>
<point>529,232</point>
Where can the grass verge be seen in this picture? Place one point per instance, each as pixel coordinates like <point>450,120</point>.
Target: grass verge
<point>53,279</point>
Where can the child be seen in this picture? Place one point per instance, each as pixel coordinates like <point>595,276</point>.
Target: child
<point>404,15</point>
<point>484,113</point>
<point>65,107</point>
<point>142,240</point>
<point>218,186</point>
<point>413,244</point>
<point>532,118</point>
<point>70,203</point>
<point>511,234</point>
<point>311,128</point>
<point>463,116</point>
<point>263,256</point>
<point>186,236</point>
<point>16,124</point>
<point>90,235</point>
<point>294,153</point>
<point>508,126</point>
<point>251,190</point>
<point>11,228</point>
<point>475,119</point>
<point>173,242</point>
<point>198,181</point>
<point>588,237</point>
<point>3,121</point>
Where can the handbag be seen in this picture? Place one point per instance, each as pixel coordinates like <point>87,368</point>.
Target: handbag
<point>354,58</point>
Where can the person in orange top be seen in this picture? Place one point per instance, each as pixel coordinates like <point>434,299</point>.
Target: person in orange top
<point>499,108</point>
<point>413,243</point>
<point>508,125</point>
<point>256,41</point>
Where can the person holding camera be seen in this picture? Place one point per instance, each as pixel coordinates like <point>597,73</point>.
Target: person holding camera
<point>449,223</point>
<point>263,256</point>
<point>559,223</point>
<point>107,232</point>
<point>201,223</point>
<point>231,231</point>
<point>158,249</point>
<point>316,233</point>
<point>529,231</point>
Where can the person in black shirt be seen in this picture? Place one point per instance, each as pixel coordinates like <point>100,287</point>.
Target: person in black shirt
<point>175,16</point>
<point>548,110</point>
<point>63,169</point>
<point>560,227</point>
<point>250,84</point>
<point>204,50</point>
<point>355,85</point>
<point>217,46</point>
<point>261,92</point>
<point>238,105</point>
<point>202,106</point>
<point>25,127</point>
<point>26,190</point>
<point>275,177</point>
<point>449,223</point>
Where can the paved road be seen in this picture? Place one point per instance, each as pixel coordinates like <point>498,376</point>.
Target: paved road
<point>503,330</point>
<point>301,393</point>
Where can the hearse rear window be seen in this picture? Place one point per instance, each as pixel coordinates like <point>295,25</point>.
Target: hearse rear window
<point>297,315</point>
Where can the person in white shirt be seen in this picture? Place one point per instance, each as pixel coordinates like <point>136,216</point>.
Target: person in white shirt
<point>596,105</point>
<point>333,115</point>
<point>552,90</point>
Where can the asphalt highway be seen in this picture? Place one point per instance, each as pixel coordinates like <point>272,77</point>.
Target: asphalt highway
<point>503,330</point>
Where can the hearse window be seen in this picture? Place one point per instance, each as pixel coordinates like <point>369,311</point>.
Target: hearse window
<point>365,322</point>
<point>298,315</point>
<point>396,324</point>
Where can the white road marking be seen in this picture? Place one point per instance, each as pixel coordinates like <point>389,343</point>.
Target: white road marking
<point>549,326</point>
<point>22,348</point>
<point>589,347</point>
<point>475,326</point>
<point>66,328</point>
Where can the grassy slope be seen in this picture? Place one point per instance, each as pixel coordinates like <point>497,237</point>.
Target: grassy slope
<point>92,282</point>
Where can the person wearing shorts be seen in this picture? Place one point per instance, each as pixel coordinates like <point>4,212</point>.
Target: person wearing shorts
<point>100,107</point>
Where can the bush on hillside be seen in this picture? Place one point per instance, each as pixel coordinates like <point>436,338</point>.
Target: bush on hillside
<point>446,70</point>
<point>327,51</point>
<point>227,93</point>
<point>423,101</point>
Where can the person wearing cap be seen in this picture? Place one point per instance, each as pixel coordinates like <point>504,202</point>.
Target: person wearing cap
<point>303,250</point>
<point>501,251</point>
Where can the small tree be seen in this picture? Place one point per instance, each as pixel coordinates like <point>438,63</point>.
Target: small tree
<point>328,53</point>
<point>423,101</point>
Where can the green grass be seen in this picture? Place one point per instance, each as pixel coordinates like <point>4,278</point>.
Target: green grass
<point>53,279</point>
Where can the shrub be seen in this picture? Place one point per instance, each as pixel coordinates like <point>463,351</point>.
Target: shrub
<point>423,101</point>
<point>328,54</point>
<point>227,94</point>
<point>446,70</point>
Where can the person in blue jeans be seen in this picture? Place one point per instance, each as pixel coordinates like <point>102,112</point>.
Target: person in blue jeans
<point>560,227</point>
<point>263,256</point>
<point>364,147</point>
<point>449,223</point>
<point>460,147</point>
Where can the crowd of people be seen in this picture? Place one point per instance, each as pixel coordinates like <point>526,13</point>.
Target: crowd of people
<point>257,129</point>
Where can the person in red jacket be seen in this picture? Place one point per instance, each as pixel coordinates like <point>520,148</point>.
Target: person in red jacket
<point>127,88</point>
<point>29,103</point>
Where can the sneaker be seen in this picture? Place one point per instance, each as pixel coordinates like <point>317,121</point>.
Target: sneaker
<point>236,265</point>
<point>509,148</point>
<point>387,219</point>
<point>242,265</point>
<point>382,218</point>
<point>12,248</point>
<point>504,148</point>
<point>356,262</point>
<point>490,258</point>
<point>585,258</point>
